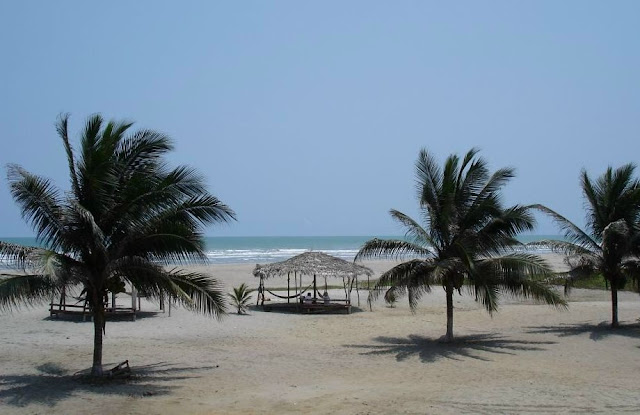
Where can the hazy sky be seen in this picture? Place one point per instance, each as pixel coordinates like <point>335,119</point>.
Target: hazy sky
<point>307,117</point>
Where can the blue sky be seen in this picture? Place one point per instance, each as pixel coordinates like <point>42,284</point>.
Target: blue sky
<point>307,117</point>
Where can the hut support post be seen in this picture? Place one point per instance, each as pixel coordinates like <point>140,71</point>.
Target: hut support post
<point>259,291</point>
<point>288,287</point>
<point>357,291</point>
<point>134,294</point>
<point>346,294</point>
<point>369,291</point>
<point>63,299</point>
<point>315,288</point>
<point>351,288</point>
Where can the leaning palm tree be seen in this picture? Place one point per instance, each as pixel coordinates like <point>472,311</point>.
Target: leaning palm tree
<point>468,238</point>
<point>126,217</point>
<point>609,245</point>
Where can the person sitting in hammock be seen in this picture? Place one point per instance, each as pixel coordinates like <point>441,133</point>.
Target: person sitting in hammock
<point>307,299</point>
<point>326,298</point>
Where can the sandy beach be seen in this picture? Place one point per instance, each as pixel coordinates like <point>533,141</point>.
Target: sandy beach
<point>527,358</point>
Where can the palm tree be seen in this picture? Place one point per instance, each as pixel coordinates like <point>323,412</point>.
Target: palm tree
<point>467,239</point>
<point>126,216</point>
<point>609,246</point>
<point>241,297</point>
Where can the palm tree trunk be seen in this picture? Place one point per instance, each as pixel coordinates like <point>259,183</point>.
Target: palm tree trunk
<point>614,305</point>
<point>98,331</point>
<point>449,336</point>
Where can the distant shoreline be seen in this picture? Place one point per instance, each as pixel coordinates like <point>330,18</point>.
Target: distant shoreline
<point>266,249</point>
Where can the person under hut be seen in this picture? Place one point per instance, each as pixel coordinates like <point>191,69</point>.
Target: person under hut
<point>308,299</point>
<point>325,298</point>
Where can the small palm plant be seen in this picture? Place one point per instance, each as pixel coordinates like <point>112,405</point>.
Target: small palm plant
<point>241,298</point>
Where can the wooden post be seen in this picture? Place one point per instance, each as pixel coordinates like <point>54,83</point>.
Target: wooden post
<point>369,295</point>
<point>170,301</point>
<point>63,299</point>
<point>259,291</point>
<point>357,291</point>
<point>315,289</point>
<point>134,294</point>
<point>288,287</point>
<point>113,302</point>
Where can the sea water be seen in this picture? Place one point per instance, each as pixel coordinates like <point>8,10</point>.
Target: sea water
<point>265,249</point>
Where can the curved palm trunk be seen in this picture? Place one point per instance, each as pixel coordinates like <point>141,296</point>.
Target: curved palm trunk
<point>614,305</point>
<point>449,336</point>
<point>98,331</point>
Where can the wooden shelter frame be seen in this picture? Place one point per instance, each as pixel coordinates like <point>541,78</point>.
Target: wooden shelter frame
<point>318,264</point>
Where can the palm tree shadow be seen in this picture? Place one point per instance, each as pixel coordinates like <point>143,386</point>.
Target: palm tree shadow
<point>596,332</point>
<point>430,349</point>
<point>55,384</point>
<point>111,318</point>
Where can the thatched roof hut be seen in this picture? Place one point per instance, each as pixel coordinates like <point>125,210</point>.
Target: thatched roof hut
<point>313,263</point>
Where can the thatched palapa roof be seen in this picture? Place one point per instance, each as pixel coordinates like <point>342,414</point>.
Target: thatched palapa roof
<point>312,263</point>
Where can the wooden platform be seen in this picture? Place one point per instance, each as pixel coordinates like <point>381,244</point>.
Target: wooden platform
<point>56,310</point>
<point>309,308</point>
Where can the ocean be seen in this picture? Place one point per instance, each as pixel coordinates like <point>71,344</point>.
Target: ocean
<point>265,249</point>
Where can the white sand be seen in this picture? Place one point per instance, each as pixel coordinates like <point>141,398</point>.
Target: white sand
<point>526,359</point>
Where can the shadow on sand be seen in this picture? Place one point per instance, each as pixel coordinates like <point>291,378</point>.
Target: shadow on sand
<point>55,385</point>
<point>290,308</point>
<point>79,318</point>
<point>595,332</point>
<point>430,349</point>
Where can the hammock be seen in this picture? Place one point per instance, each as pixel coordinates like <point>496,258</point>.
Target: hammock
<point>286,297</point>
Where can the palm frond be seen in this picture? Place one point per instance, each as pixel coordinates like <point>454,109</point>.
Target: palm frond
<point>570,231</point>
<point>394,249</point>
<point>62,127</point>
<point>414,231</point>
<point>428,180</point>
<point>521,275</point>
<point>560,247</point>
<point>199,292</point>
<point>84,226</point>
<point>90,137</point>
<point>196,291</point>
<point>140,151</point>
<point>40,204</point>
<point>412,277</point>
<point>26,289</point>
